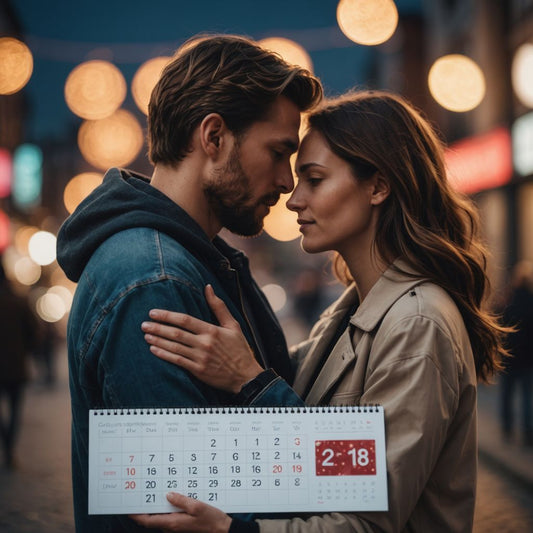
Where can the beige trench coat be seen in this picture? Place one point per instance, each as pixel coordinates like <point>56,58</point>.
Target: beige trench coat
<point>407,349</point>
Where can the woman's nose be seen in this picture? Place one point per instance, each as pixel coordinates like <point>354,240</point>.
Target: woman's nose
<point>294,203</point>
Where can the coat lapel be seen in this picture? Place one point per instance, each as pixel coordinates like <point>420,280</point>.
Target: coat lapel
<point>320,343</point>
<point>392,284</point>
<point>326,328</point>
<point>339,359</point>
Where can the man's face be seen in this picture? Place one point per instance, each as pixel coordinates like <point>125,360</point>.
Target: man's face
<point>256,172</point>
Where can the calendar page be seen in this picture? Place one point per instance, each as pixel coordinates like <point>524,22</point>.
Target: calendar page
<point>238,459</point>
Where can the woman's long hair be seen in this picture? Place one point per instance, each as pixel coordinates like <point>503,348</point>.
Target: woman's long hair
<point>424,221</point>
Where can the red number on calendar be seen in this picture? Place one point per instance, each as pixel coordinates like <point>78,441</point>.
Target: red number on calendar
<point>130,485</point>
<point>345,457</point>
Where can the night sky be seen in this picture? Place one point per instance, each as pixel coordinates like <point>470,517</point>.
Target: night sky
<point>63,33</point>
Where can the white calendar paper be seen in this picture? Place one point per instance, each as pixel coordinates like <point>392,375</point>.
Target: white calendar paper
<point>255,460</point>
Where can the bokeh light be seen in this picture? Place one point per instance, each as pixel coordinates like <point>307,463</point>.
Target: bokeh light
<point>281,223</point>
<point>79,187</point>
<point>95,89</point>
<point>368,22</point>
<point>50,307</point>
<point>289,50</point>
<point>522,139</point>
<point>27,175</point>
<point>26,271</point>
<point>276,296</point>
<point>6,173</point>
<point>456,82</point>
<point>22,238</point>
<point>522,74</point>
<point>42,247</point>
<point>144,81</point>
<point>16,65</point>
<point>65,294</point>
<point>5,235</point>
<point>112,141</point>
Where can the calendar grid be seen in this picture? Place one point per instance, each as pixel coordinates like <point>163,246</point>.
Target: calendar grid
<point>240,460</point>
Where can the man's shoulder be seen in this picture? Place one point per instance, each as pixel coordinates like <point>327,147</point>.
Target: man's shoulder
<point>140,257</point>
<point>143,250</point>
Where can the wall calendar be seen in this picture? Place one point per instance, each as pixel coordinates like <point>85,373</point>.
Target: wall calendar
<point>278,459</point>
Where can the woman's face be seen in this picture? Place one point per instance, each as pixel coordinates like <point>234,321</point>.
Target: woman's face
<point>335,209</point>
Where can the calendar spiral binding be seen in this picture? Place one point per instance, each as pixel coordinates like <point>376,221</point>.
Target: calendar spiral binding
<point>365,408</point>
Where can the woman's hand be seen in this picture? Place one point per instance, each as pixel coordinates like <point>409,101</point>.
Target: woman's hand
<point>217,355</point>
<point>196,517</point>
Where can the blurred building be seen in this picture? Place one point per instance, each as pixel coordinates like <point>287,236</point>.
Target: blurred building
<point>494,141</point>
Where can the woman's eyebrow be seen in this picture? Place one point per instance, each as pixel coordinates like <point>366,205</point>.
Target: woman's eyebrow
<point>303,167</point>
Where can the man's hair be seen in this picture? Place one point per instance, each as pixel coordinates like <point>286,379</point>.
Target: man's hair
<point>225,74</point>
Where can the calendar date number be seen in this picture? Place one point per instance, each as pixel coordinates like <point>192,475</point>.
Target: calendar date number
<point>345,457</point>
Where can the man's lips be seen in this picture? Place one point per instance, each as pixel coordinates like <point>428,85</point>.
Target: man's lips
<point>271,201</point>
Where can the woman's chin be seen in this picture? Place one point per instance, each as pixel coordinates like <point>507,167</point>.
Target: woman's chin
<point>310,247</point>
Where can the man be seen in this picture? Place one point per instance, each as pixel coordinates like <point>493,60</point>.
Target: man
<point>223,122</point>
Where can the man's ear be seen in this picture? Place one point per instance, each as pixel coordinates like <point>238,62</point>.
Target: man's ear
<point>213,135</point>
<point>380,189</point>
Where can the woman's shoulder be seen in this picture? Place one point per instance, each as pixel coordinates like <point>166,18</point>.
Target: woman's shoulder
<point>428,301</point>
<point>426,322</point>
<point>427,313</point>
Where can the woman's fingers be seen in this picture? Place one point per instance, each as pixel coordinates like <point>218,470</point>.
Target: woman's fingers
<point>220,309</point>
<point>189,505</point>
<point>188,322</point>
<point>197,516</point>
<point>176,359</point>
<point>171,333</point>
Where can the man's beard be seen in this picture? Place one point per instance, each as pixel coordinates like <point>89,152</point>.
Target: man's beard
<point>229,194</point>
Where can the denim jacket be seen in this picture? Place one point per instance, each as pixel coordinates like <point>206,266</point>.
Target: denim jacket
<point>131,249</point>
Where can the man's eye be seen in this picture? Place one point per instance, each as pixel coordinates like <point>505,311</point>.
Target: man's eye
<point>278,155</point>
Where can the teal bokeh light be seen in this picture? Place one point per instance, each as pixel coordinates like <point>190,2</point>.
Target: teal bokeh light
<point>27,176</point>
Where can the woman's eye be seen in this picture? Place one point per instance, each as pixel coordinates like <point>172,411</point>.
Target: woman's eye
<point>314,182</point>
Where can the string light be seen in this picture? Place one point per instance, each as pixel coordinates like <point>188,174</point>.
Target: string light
<point>368,22</point>
<point>16,65</point>
<point>95,89</point>
<point>456,82</point>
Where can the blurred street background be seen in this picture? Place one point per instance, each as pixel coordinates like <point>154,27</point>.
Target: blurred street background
<point>75,79</point>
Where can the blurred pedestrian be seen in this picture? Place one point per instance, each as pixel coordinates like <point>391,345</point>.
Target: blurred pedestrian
<point>45,354</point>
<point>517,378</point>
<point>18,327</point>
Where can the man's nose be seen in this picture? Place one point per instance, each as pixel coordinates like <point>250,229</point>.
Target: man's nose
<point>285,180</point>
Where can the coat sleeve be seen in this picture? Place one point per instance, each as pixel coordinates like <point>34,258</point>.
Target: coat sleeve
<point>409,375</point>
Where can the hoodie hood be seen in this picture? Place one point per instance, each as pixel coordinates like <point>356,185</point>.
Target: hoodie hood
<point>125,200</point>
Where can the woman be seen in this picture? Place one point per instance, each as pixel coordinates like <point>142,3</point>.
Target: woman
<point>409,333</point>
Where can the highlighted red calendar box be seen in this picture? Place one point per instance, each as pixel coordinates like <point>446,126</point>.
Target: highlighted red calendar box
<point>345,457</point>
